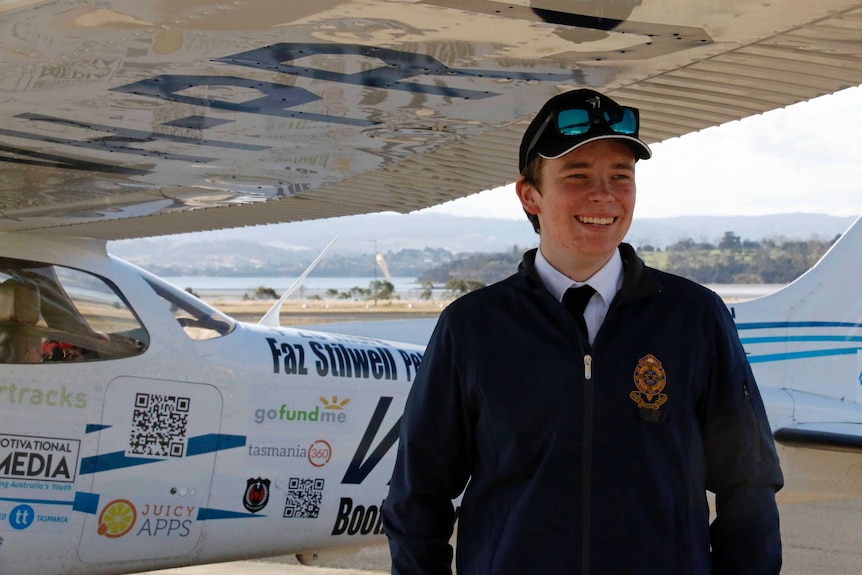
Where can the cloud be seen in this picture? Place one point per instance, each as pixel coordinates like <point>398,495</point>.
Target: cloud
<point>803,158</point>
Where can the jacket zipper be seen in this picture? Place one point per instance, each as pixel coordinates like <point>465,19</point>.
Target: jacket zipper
<point>586,470</point>
<point>587,462</point>
<point>586,466</point>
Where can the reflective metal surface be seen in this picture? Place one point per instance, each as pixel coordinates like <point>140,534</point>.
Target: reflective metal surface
<point>201,115</point>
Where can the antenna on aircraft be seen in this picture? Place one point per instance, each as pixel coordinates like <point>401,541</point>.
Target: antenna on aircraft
<point>272,318</point>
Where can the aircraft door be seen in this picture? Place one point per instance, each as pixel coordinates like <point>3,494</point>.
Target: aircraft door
<point>153,470</point>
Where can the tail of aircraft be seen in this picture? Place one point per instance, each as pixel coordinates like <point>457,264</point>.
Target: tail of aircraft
<point>808,335</point>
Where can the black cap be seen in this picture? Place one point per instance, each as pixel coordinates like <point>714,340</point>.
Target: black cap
<point>542,139</point>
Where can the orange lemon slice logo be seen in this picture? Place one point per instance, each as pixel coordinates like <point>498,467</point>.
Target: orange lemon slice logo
<point>117,518</point>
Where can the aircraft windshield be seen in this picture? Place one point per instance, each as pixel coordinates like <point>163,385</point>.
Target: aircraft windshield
<point>198,320</point>
<point>51,313</point>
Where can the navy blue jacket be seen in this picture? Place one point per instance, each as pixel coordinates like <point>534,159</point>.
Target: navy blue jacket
<point>579,460</point>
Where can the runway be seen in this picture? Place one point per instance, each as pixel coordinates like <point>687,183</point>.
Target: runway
<point>822,538</point>
<point>260,568</point>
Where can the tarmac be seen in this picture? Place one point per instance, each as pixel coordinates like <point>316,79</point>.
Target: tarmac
<point>259,568</point>
<point>822,538</point>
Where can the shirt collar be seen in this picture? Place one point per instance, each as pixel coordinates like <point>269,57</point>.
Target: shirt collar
<point>607,281</point>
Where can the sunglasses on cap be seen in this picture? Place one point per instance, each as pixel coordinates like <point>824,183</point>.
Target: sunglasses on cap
<point>578,122</point>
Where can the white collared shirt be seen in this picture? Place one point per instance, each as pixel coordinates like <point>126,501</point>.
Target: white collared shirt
<point>607,282</point>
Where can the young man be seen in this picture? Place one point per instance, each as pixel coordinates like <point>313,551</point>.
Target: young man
<point>585,449</point>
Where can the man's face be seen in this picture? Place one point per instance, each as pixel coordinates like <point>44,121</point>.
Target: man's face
<point>585,201</point>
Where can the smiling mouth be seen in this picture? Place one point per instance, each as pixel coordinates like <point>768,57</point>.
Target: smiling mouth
<point>599,221</point>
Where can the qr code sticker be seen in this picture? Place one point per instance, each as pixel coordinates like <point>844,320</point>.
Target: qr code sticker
<point>303,498</point>
<point>159,425</point>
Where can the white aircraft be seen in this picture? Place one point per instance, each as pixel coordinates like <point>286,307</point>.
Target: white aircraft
<point>803,344</point>
<point>143,429</point>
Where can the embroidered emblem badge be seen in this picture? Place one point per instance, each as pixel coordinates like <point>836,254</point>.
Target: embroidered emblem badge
<point>650,380</point>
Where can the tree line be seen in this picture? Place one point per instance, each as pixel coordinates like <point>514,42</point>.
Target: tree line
<point>734,260</point>
<point>730,260</point>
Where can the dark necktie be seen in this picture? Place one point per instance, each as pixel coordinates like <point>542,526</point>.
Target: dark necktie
<point>575,299</point>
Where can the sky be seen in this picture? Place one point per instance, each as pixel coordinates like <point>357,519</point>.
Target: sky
<point>803,158</point>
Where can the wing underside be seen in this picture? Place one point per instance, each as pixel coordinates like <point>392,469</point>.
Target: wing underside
<point>132,118</point>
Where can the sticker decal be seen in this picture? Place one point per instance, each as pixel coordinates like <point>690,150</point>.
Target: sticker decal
<point>256,494</point>
<point>28,457</point>
<point>159,425</point>
<point>21,517</point>
<point>333,412</point>
<point>358,519</point>
<point>304,497</point>
<point>319,453</point>
<point>117,518</point>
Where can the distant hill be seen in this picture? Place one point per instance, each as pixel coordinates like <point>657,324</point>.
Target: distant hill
<point>660,232</point>
<point>298,243</point>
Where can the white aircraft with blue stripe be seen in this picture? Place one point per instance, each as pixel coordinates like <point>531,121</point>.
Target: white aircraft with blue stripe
<point>141,428</point>
<point>804,344</point>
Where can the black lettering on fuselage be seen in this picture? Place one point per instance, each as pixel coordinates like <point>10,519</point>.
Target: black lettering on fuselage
<point>293,357</point>
<point>358,519</point>
<point>360,467</point>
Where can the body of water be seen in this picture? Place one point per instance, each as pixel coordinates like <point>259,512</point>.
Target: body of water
<point>405,287</point>
<point>237,286</point>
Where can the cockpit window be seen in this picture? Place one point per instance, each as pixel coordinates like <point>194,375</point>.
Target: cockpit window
<point>198,320</point>
<point>51,313</point>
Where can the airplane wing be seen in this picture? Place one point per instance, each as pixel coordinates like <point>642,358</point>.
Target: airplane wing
<point>133,118</point>
<point>828,435</point>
